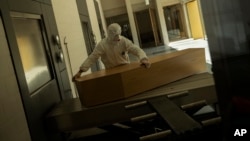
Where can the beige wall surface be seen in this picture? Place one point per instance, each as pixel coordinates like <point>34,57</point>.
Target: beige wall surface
<point>71,35</point>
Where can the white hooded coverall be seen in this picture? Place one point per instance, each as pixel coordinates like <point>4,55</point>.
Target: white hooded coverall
<point>113,52</point>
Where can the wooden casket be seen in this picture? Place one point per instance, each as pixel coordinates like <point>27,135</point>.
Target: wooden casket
<point>128,80</point>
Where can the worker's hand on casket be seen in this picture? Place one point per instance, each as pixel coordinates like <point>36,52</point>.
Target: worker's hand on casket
<point>145,62</point>
<point>77,75</point>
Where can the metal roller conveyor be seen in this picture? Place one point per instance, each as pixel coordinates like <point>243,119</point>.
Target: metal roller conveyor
<point>155,136</point>
<point>134,105</point>
<point>212,121</point>
<point>194,105</point>
<point>144,117</point>
<point>70,115</point>
<point>177,119</point>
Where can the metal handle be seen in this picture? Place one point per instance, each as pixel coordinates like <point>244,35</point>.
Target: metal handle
<point>59,56</point>
<point>211,121</point>
<point>175,95</point>
<point>130,106</point>
<point>155,136</point>
<point>143,117</point>
<point>56,40</point>
<point>194,104</point>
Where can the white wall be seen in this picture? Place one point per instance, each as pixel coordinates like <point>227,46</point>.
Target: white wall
<point>69,28</point>
<point>93,19</point>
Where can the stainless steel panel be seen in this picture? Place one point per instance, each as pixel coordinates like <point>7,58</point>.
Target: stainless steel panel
<point>32,50</point>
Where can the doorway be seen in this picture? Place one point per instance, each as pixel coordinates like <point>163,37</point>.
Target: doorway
<point>148,31</point>
<point>174,19</point>
<point>90,43</point>
<point>123,21</point>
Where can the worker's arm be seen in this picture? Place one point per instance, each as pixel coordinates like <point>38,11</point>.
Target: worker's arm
<point>77,75</point>
<point>137,51</point>
<point>145,62</point>
<point>92,58</point>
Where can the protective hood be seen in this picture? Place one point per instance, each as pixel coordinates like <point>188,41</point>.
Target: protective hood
<point>114,32</point>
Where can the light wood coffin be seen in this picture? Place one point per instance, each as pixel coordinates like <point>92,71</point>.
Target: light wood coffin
<point>127,80</point>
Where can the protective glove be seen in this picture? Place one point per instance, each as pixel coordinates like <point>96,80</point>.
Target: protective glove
<point>77,75</point>
<point>145,63</point>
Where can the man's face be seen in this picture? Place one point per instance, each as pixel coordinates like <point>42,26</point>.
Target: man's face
<point>116,37</point>
<point>114,32</point>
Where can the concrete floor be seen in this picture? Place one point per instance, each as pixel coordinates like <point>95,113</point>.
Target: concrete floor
<point>191,43</point>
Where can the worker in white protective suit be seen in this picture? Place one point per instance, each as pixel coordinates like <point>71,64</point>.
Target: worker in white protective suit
<point>113,51</point>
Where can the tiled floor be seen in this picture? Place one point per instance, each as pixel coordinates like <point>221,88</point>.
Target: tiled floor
<point>191,43</point>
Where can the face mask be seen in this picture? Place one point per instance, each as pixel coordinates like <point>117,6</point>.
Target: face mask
<point>114,32</point>
<point>116,37</point>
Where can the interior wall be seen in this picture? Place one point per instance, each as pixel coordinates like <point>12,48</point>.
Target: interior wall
<point>72,38</point>
<point>145,28</point>
<point>195,20</point>
<point>94,20</point>
<point>70,32</point>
